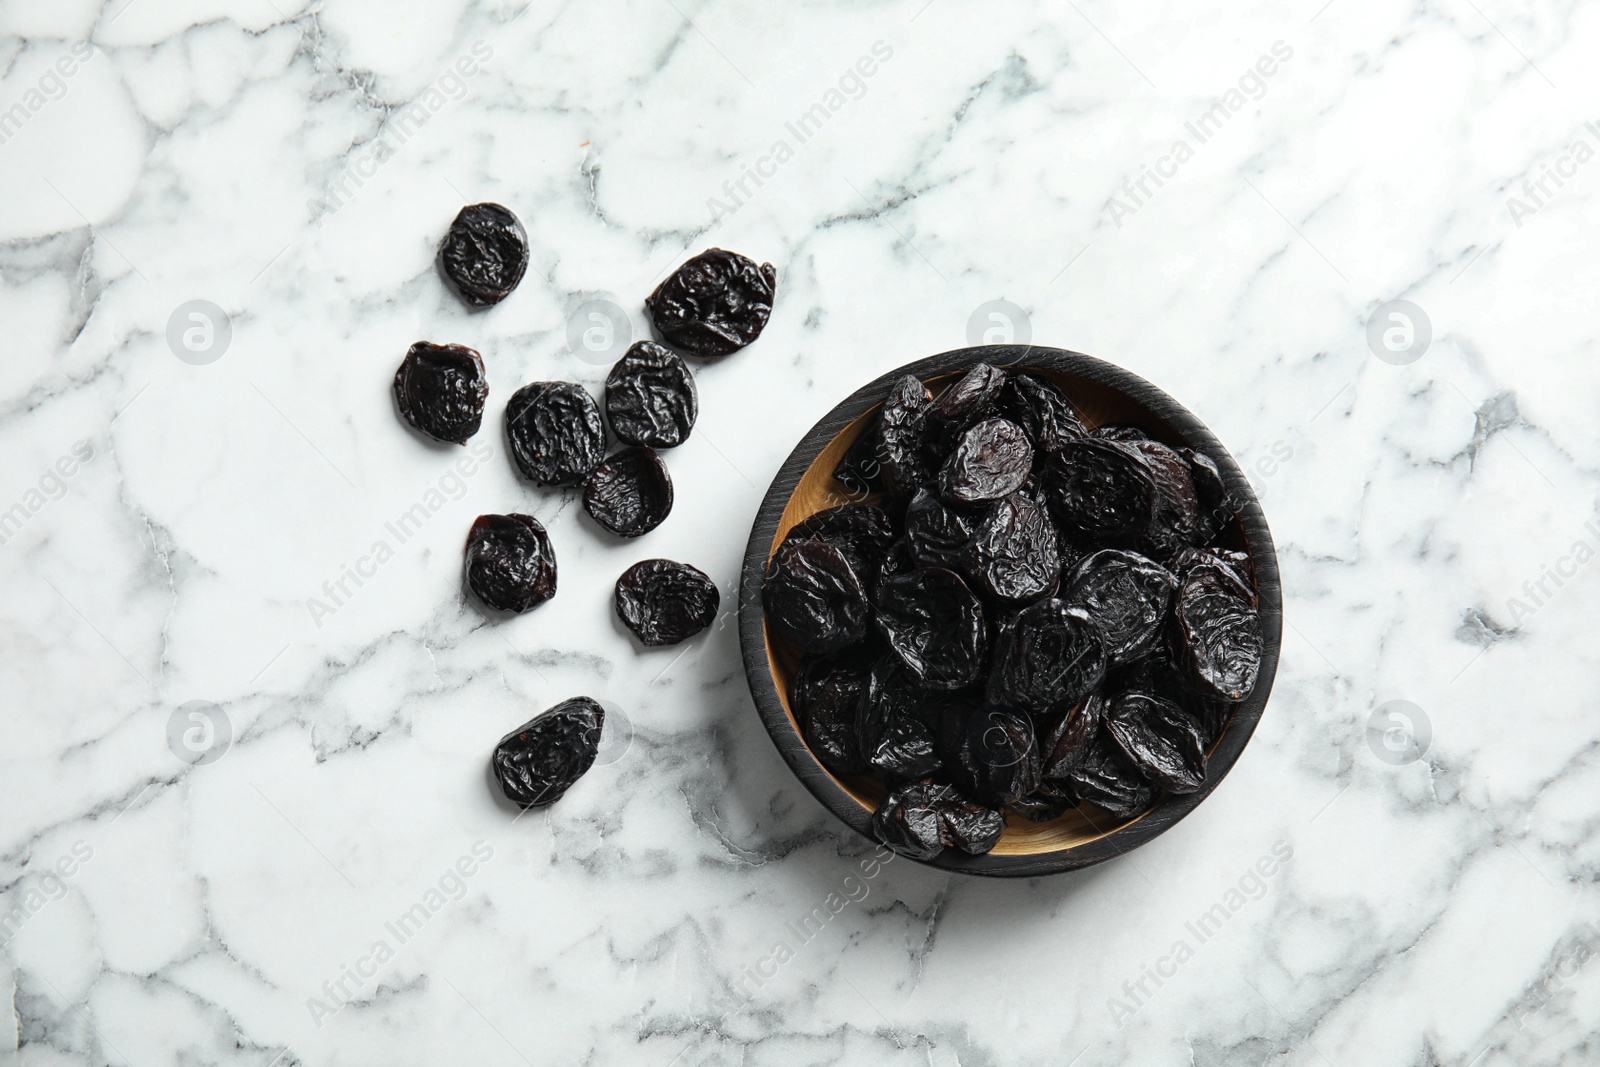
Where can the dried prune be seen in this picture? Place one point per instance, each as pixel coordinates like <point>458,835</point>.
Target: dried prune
<point>1158,676</point>
<point>1069,738</point>
<point>1100,491</point>
<point>714,304</point>
<point>921,818</point>
<point>1107,780</point>
<point>484,254</point>
<point>1118,431</point>
<point>1048,801</point>
<point>1128,596</point>
<point>651,397</point>
<point>1051,657</point>
<point>1209,490</point>
<point>1014,555</point>
<point>664,602</point>
<point>936,533</point>
<point>896,734</point>
<point>510,565</point>
<point>859,470</point>
<point>1232,567</point>
<point>1175,517</point>
<point>1161,742</point>
<point>1042,410</point>
<point>968,400</point>
<point>991,460</point>
<point>441,389</point>
<point>861,531</point>
<point>901,452</point>
<point>630,493</point>
<point>814,597</point>
<point>555,432</point>
<point>997,756</point>
<point>827,696</point>
<point>1217,634</point>
<point>540,760</point>
<point>935,624</point>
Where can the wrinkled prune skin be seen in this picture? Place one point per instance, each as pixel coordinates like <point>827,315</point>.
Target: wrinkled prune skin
<point>1069,739</point>
<point>664,602</point>
<point>651,397</point>
<point>970,399</point>
<point>921,818</point>
<point>555,433</point>
<point>936,533</point>
<point>716,303</point>
<point>1107,780</point>
<point>1232,568</point>
<point>859,471</point>
<point>901,459</point>
<point>1159,677</point>
<point>1216,514</point>
<point>510,565</point>
<point>896,735</point>
<point>814,597</point>
<point>827,695</point>
<point>1100,492</point>
<point>540,760</point>
<point>996,760</point>
<point>1050,800</point>
<point>484,254</point>
<point>1118,431</point>
<point>1042,410</point>
<point>1014,553</point>
<point>1051,657</point>
<point>862,532</point>
<point>1129,597</point>
<point>1159,740</point>
<point>935,625</point>
<point>1175,517</point>
<point>440,390</point>
<point>629,494</point>
<point>1217,634</point>
<point>991,460</point>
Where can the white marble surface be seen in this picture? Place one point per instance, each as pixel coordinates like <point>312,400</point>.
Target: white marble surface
<point>1430,912</point>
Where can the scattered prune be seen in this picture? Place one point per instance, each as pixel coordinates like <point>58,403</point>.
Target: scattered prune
<point>968,400</point>
<point>859,470</point>
<point>813,596</point>
<point>896,736</point>
<point>861,531</point>
<point>714,304</point>
<point>921,818</point>
<point>484,254</point>
<point>1014,554</point>
<point>1051,657</point>
<point>1175,518</point>
<point>936,533</point>
<point>510,565</point>
<point>1161,742</point>
<point>664,602</point>
<point>651,397</point>
<point>828,691</point>
<point>1218,636</point>
<point>1107,780</point>
<point>1069,739</point>
<point>991,460</point>
<point>935,624</point>
<point>996,759</point>
<point>555,432</point>
<point>1100,491</point>
<point>540,760</point>
<point>441,389</point>
<point>629,494</point>
<point>1128,596</point>
<point>901,456</point>
<point>1042,410</point>
<point>1048,801</point>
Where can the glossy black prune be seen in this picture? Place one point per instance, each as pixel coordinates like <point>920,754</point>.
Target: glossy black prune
<point>510,565</point>
<point>991,460</point>
<point>1159,676</point>
<point>1232,567</point>
<point>1068,739</point>
<point>1051,657</point>
<point>1118,431</point>
<point>862,532</point>
<point>440,390</point>
<point>1175,519</point>
<point>1216,513</point>
<point>1042,410</point>
<point>651,397</point>
<point>484,254</point>
<point>970,399</point>
<point>1217,635</point>
<point>935,625</point>
<point>664,602</point>
<point>555,432</point>
<point>827,694</point>
<point>1107,780</point>
<point>1101,492</point>
<point>996,759</point>
<point>920,819</point>
<point>936,533</point>
<point>714,304</point>
<point>814,597</point>
<point>902,458</point>
<point>896,734</point>
<point>1048,801</point>
<point>1129,597</point>
<point>629,494</point>
<point>859,471</point>
<point>1014,553</point>
<point>540,760</point>
<point>1161,742</point>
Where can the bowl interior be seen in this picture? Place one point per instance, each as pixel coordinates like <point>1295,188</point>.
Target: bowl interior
<point>817,490</point>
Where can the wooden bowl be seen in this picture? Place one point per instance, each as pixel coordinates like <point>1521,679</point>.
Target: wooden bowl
<point>805,485</point>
